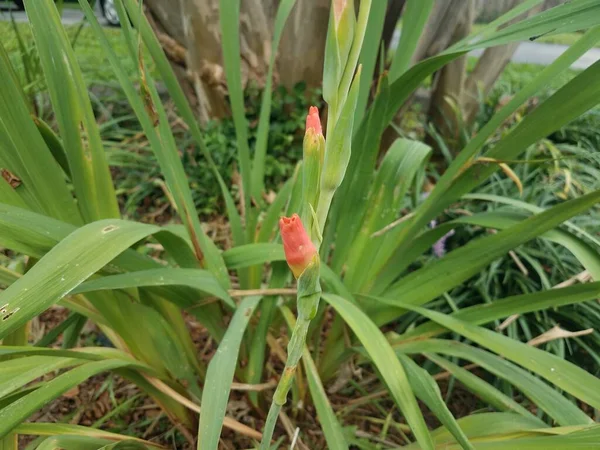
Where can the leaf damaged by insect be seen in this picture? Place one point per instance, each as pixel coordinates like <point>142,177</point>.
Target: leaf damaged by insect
<point>13,180</point>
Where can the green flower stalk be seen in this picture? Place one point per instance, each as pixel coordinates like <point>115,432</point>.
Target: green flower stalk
<point>337,153</point>
<point>304,261</point>
<point>324,166</point>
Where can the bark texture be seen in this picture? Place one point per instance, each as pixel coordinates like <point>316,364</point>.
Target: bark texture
<point>190,33</point>
<point>455,96</point>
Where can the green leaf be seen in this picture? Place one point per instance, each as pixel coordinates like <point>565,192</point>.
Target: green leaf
<point>573,16</point>
<point>394,177</point>
<point>229,18</point>
<point>23,152</point>
<point>15,413</point>
<point>16,373</point>
<point>163,66</point>
<point>585,253</point>
<point>386,362</point>
<point>437,277</point>
<point>220,375</point>
<point>67,265</point>
<point>477,427</point>
<point>274,212</point>
<point>563,374</point>
<point>541,394</point>
<point>570,101</point>
<point>164,147</point>
<point>414,18</point>
<point>368,56</point>
<point>260,150</point>
<point>195,278</point>
<point>531,208</point>
<point>518,304</point>
<point>329,422</point>
<point>63,429</point>
<point>351,195</point>
<point>253,254</point>
<point>481,388</point>
<point>73,111</point>
<point>428,391</point>
<point>256,358</point>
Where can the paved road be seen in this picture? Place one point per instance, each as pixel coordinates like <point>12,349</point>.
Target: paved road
<point>544,54</point>
<point>69,16</point>
<point>527,52</point>
<point>536,53</point>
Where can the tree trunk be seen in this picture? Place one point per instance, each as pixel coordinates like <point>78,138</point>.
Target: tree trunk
<point>444,108</point>
<point>189,32</point>
<point>488,68</point>
<point>455,98</point>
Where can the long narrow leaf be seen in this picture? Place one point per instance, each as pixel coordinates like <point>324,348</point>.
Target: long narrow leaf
<point>388,365</point>
<point>78,128</point>
<point>220,375</point>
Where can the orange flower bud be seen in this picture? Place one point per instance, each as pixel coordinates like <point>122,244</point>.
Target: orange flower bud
<point>338,9</point>
<point>299,249</point>
<point>313,120</point>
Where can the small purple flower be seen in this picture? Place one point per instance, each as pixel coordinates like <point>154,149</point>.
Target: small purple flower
<point>439,248</point>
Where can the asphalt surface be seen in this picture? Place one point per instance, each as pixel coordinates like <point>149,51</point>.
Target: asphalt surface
<point>69,16</point>
<point>536,53</point>
<point>544,54</point>
<point>527,52</point>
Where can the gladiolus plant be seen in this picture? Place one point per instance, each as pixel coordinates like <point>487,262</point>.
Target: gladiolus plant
<point>357,293</point>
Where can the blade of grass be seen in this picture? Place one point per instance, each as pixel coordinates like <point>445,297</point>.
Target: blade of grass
<point>368,56</point>
<point>12,415</point>
<point>51,429</point>
<point>220,374</point>
<point>229,18</point>
<point>256,357</point>
<point>536,125</point>
<point>435,278</point>
<point>253,254</point>
<point>260,150</point>
<point>541,394</point>
<point>163,146</point>
<point>175,91</point>
<point>386,362</point>
<point>66,266</point>
<point>73,111</point>
<point>414,18</point>
<point>586,254</point>
<point>428,391</point>
<point>518,304</point>
<point>195,278</point>
<point>23,152</point>
<point>563,374</point>
<point>481,388</point>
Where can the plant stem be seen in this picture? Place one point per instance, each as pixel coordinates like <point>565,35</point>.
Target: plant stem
<point>265,444</point>
<point>295,348</point>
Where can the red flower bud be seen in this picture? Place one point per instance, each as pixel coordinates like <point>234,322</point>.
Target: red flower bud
<point>299,249</point>
<point>313,120</point>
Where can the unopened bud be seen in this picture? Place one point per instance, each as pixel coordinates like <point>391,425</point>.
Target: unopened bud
<point>299,249</point>
<point>313,120</point>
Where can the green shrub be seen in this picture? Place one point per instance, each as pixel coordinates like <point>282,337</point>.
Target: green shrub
<point>137,170</point>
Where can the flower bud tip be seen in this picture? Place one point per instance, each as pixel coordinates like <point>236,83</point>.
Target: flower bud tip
<point>313,120</point>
